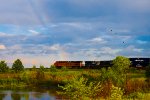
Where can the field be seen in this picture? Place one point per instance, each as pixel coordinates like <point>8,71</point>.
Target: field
<point>56,79</point>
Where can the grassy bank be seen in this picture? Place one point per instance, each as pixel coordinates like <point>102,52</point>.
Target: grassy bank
<point>49,79</point>
<point>46,78</point>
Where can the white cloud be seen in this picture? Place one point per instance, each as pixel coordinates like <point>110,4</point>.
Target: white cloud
<point>124,38</point>
<point>15,47</point>
<point>132,48</point>
<point>104,53</point>
<point>137,50</point>
<point>2,34</point>
<point>34,32</point>
<point>77,25</point>
<point>97,40</point>
<point>55,47</point>
<point>108,50</point>
<point>2,47</point>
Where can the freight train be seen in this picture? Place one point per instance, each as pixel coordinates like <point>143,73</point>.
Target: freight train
<point>139,63</point>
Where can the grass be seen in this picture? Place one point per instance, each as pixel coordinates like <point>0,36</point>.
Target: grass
<point>146,96</point>
<point>51,78</point>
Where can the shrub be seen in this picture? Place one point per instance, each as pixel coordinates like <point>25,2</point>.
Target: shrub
<point>33,68</point>
<point>147,73</point>
<point>133,70</point>
<point>78,88</point>
<point>42,68</point>
<point>40,75</point>
<point>53,68</point>
<point>64,68</point>
<point>116,93</point>
<point>25,77</point>
<point>136,95</point>
<point>136,86</point>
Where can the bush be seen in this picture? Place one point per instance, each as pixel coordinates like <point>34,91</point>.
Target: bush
<point>147,73</point>
<point>25,77</point>
<point>136,86</point>
<point>42,68</point>
<point>33,68</point>
<point>116,93</point>
<point>40,75</point>
<point>64,68</point>
<point>133,70</point>
<point>53,68</point>
<point>136,95</point>
<point>78,88</point>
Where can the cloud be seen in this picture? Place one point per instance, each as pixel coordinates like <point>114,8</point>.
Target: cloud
<point>2,34</point>
<point>136,5</point>
<point>29,12</point>
<point>15,47</point>
<point>55,47</point>
<point>110,51</point>
<point>97,40</point>
<point>33,32</point>
<point>53,30</point>
<point>2,47</point>
<point>133,49</point>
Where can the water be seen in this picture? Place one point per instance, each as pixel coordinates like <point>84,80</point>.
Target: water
<point>27,95</point>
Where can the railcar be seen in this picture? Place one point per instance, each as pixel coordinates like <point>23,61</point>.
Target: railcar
<point>140,63</point>
<point>92,64</point>
<point>97,64</point>
<point>68,64</point>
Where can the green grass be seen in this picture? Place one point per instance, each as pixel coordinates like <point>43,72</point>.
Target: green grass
<point>146,96</point>
<point>51,78</point>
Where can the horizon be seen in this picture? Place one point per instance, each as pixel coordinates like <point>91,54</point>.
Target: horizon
<point>44,31</point>
<point>48,66</point>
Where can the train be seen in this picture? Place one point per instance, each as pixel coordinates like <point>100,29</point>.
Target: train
<point>140,63</point>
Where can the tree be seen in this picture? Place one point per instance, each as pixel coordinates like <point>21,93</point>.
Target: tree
<point>42,68</point>
<point>17,66</point>
<point>34,68</point>
<point>120,66</point>
<point>3,66</point>
<point>115,75</point>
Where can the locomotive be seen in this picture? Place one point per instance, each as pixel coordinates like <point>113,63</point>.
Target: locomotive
<point>68,64</point>
<point>140,63</point>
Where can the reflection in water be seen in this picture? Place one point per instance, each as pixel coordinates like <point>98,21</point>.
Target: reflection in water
<point>15,96</point>
<point>11,95</point>
<point>2,96</point>
<point>37,95</point>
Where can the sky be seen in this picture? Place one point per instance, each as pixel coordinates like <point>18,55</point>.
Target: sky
<point>40,32</point>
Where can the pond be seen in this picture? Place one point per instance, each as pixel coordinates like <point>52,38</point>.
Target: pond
<point>28,95</point>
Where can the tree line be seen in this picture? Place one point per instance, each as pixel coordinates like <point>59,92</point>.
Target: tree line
<point>17,66</point>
